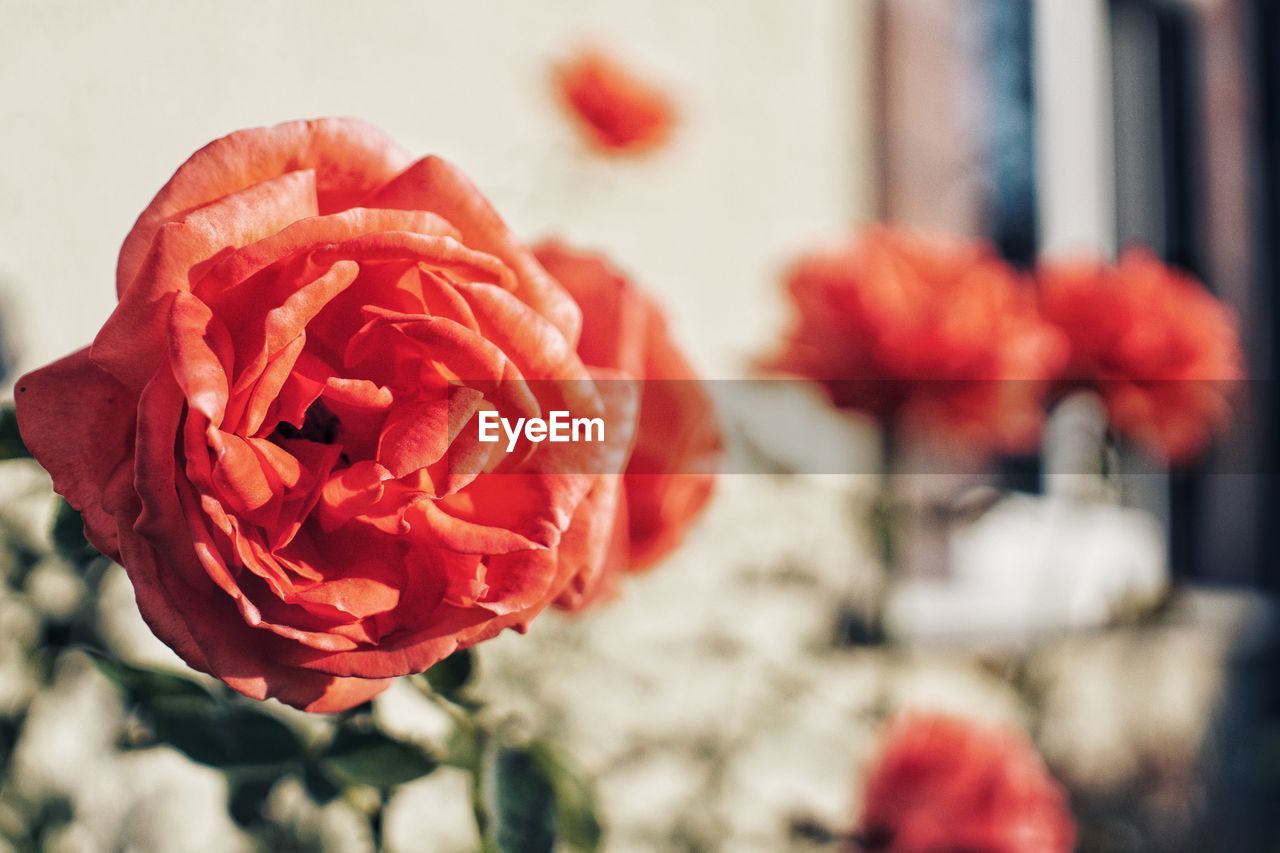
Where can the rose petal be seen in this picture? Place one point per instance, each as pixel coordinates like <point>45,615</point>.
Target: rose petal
<point>418,434</point>
<point>130,344</point>
<point>436,185</point>
<point>78,421</point>
<point>349,158</point>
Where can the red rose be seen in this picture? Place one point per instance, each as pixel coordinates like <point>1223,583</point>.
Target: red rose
<point>276,431</point>
<point>669,476</point>
<point>936,334</point>
<point>617,111</point>
<point>1162,351</point>
<point>944,785</point>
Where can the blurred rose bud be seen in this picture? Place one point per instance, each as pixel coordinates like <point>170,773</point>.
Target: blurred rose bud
<point>617,111</point>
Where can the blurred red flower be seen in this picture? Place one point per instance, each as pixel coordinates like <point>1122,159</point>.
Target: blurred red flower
<point>617,111</point>
<point>935,334</point>
<point>945,785</point>
<point>1162,351</point>
<point>669,476</point>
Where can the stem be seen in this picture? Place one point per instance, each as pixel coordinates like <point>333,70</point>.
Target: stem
<point>377,817</point>
<point>456,713</point>
<point>479,781</point>
<point>477,739</point>
<point>889,518</point>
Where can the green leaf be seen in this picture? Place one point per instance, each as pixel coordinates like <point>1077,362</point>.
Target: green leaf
<point>11,446</point>
<point>536,801</point>
<point>372,758</point>
<point>149,686</point>
<point>522,808</point>
<point>226,736</point>
<point>321,788</point>
<point>465,748</point>
<point>68,536</point>
<point>576,823</point>
<point>452,674</point>
<point>205,728</point>
<point>247,795</point>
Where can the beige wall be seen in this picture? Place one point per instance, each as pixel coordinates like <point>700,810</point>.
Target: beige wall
<point>99,102</point>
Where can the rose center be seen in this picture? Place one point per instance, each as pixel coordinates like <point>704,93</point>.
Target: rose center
<point>318,425</point>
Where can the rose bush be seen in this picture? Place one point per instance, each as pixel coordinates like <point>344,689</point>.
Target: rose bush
<point>946,785</point>
<point>1160,349</point>
<point>275,430</point>
<point>934,335</point>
